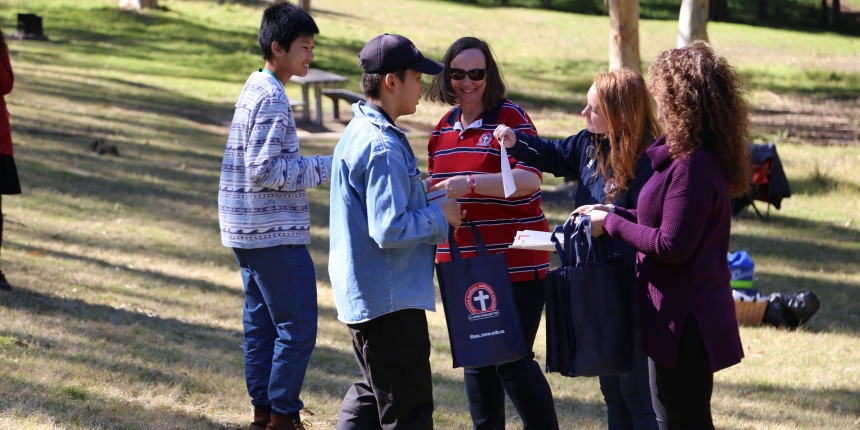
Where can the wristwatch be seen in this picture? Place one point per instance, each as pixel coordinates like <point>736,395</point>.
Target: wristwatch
<point>472,182</point>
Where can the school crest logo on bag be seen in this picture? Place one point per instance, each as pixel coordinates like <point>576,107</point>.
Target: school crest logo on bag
<point>481,302</point>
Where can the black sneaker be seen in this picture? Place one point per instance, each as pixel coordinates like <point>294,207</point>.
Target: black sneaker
<point>4,284</point>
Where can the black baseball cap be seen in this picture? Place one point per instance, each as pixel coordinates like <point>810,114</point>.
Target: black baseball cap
<point>389,52</point>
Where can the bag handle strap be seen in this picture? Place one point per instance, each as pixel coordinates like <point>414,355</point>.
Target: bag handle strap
<point>582,241</point>
<point>558,247</point>
<point>480,245</point>
<point>590,251</point>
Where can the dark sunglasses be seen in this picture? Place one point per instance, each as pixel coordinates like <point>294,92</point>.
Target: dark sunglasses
<point>460,74</point>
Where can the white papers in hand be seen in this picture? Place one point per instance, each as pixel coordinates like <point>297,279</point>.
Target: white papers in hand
<point>507,176</point>
<point>436,197</point>
<point>535,240</point>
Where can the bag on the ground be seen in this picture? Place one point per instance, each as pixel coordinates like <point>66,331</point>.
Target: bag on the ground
<point>791,310</point>
<point>480,310</point>
<point>589,306</point>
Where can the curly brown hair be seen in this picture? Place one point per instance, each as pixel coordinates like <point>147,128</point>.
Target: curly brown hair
<point>701,104</point>
<point>624,102</point>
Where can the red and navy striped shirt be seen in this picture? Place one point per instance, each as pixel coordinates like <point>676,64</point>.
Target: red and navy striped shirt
<point>456,149</point>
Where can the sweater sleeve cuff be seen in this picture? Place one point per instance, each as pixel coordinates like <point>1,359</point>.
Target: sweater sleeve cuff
<point>610,222</point>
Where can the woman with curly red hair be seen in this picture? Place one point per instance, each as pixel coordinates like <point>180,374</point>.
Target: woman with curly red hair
<point>681,231</point>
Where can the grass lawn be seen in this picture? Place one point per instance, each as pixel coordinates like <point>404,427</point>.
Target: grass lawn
<point>127,309</point>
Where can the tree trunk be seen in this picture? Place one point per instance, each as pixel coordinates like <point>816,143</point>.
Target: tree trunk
<point>692,22</point>
<point>306,5</point>
<point>824,15</point>
<point>835,12</point>
<point>149,4</point>
<point>624,34</point>
<point>761,11</point>
<point>546,3</point>
<point>719,11</point>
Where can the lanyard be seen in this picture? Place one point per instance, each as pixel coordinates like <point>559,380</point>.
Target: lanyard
<point>273,75</point>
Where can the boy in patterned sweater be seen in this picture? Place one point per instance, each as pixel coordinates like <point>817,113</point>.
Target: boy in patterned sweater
<point>264,218</point>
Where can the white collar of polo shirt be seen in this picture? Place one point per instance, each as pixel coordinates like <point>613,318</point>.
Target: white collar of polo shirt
<point>475,124</point>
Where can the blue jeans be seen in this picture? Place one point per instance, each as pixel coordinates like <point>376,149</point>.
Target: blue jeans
<point>280,319</point>
<point>628,396</point>
<point>522,379</point>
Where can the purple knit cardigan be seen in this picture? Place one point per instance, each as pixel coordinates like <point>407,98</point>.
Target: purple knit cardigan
<point>681,232</point>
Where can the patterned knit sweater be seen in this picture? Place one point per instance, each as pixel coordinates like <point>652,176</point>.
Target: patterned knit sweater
<point>261,196</point>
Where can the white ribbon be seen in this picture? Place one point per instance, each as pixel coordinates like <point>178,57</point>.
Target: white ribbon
<point>507,176</point>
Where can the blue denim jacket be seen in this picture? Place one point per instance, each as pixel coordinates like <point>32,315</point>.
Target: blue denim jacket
<point>383,234</point>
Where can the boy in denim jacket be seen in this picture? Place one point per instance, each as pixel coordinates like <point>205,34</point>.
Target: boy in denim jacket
<point>383,242</point>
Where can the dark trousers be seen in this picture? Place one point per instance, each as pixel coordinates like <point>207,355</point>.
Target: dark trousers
<point>682,396</point>
<point>628,396</point>
<point>393,353</point>
<point>522,379</point>
<point>280,321</point>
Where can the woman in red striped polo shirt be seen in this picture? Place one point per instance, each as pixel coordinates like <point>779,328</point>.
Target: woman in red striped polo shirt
<point>465,159</point>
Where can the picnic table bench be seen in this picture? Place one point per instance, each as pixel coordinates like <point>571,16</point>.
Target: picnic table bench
<point>341,94</point>
<point>317,79</point>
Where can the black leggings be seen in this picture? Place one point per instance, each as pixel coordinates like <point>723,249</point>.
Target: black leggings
<point>682,396</point>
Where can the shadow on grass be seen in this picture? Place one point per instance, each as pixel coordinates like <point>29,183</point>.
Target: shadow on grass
<point>818,182</point>
<point>71,406</point>
<point>158,277</point>
<point>131,96</point>
<point>831,401</point>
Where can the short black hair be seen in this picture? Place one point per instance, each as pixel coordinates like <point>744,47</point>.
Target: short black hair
<point>371,83</point>
<point>284,23</point>
<point>494,90</point>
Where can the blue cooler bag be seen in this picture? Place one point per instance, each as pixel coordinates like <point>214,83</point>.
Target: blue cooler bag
<point>480,310</point>
<point>743,269</point>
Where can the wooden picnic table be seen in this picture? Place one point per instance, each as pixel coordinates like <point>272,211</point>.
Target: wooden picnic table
<point>318,79</point>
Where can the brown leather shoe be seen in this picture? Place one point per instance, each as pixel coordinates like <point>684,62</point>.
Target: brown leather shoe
<point>261,420</point>
<point>280,422</point>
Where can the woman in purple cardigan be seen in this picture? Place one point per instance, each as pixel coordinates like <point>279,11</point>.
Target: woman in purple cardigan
<point>681,231</point>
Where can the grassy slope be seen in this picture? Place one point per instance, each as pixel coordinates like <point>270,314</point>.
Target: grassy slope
<point>127,311</point>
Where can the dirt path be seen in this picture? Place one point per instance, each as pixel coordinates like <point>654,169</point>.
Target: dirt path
<point>829,122</point>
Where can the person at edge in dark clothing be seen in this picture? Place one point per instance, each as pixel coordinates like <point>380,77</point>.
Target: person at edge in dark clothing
<point>681,230</point>
<point>465,159</point>
<point>9,183</point>
<point>609,159</point>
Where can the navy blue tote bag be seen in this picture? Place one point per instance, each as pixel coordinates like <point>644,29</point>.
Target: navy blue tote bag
<point>590,322</point>
<point>480,310</point>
